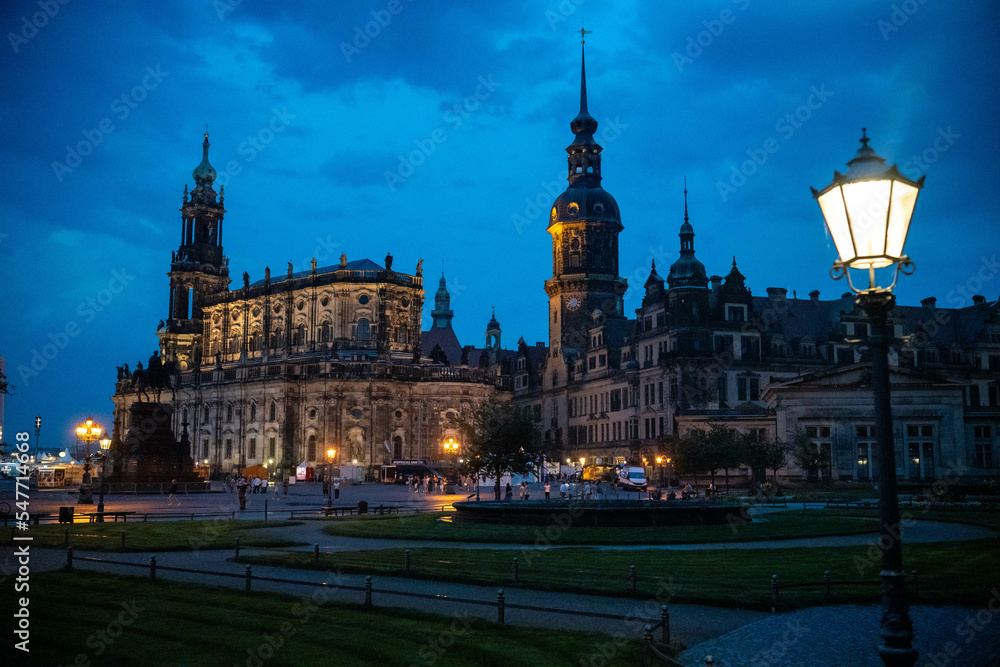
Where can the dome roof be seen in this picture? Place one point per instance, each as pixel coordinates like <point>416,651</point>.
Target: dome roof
<point>591,204</point>
<point>204,173</point>
<point>687,271</point>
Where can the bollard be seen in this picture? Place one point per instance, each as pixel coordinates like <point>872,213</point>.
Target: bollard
<point>774,593</point>
<point>515,569</point>
<point>123,539</point>
<point>66,538</point>
<point>69,558</point>
<point>368,591</point>
<point>826,583</point>
<point>500,606</point>
<point>647,645</point>
<point>237,554</point>
<point>248,576</point>
<point>709,661</point>
<point>316,553</point>
<point>916,586</point>
<point>406,559</point>
<point>631,575</point>
<point>152,567</point>
<point>265,509</point>
<point>665,619</point>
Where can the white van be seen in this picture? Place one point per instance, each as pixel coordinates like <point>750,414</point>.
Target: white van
<point>632,478</point>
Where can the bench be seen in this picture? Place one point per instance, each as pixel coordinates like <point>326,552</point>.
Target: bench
<point>94,516</point>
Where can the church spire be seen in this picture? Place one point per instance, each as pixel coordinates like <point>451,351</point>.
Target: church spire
<point>442,312</point>
<point>584,152</point>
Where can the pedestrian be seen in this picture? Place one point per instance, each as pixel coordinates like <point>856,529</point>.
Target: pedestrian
<point>326,489</point>
<point>284,486</point>
<point>276,496</point>
<point>563,488</point>
<point>416,483</point>
<point>600,491</point>
<point>336,489</point>
<point>548,487</point>
<point>256,485</point>
<point>586,491</point>
<point>508,492</point>
<point>173,493</point>
<point>527,491</point>
<point>241,492</point>
<point>263,486</point>
<point>520,491</point>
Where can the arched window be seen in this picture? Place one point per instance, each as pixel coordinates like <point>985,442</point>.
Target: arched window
<point>253,412</point>
<point>274,410</point>
<point>299,335</point>
<point>324,333</point>
<point>364,329</point>
<point>397,448</point>
<point>229,412</point>
<point>204,413</point>
<point>311,451</point>
<point>402,334</point>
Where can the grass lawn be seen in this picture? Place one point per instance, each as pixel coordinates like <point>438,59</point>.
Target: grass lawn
<point>167,623</point>
<point>949,572</point>
<point>773,525</point>
<point>157,535</point>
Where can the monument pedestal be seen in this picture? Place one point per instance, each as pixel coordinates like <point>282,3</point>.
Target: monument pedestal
<point>149,451</point>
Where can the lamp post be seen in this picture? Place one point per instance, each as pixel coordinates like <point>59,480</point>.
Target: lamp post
<point>38,431</point>
<point>87,431</point>
<point>105,443</point>
<point>451,451</point>
<point>867,212</point>
<point>330,453</point>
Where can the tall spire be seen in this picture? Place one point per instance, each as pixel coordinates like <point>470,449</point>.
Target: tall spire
<point>204,173</point>
<point>442,312</point>
<point>584,152</point>
<point>686,200</point>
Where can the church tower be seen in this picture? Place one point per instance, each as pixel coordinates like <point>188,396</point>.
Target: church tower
<point>442,312</point>
<point>197,268</point>
<point>585,287</point>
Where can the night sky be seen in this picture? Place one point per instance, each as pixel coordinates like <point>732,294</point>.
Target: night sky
<point>437,130</point>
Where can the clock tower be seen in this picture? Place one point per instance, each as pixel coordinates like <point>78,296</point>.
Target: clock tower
<point>585,289</point>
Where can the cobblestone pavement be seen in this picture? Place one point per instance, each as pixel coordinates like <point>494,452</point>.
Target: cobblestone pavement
<point>848,636</point>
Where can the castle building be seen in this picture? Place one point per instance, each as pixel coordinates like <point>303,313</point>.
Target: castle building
<point>278,371</point>
<point>702,350</point>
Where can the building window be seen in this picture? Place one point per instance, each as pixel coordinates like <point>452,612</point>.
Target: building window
<point>229,413</point>
<point>363,329</point>
<point>820,452</point>
<point>324,332</point>
<point>750,347</point>
<point>311,448</point>
<point>204,413</point>
<point>722,389</point>
<point>864,438</point>
<point>274,409</point>
<point>253,448</point>
<point>229,448</point>
<point>204,448</point>
<point>735,313</point>
<point>741,389</point>
<point>920,448</point>
<point>723,344</point>
<point>984,446</point>
<point>253,412</point>
<point>271,447</point>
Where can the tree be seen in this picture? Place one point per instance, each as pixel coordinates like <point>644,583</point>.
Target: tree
<point>809,455</point>
<point>501,438</point>
<point>722,451</point>
<point>762,454</point>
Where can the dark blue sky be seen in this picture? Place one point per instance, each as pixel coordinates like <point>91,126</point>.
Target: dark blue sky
<point>467,105</point>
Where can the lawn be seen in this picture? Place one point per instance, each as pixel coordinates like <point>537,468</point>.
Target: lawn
<point>772,526</point>
<point>950,573</point>
<point>157,535</point>
<point>92,618</point>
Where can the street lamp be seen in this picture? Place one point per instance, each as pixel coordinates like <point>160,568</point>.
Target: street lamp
<point>451,451</point>
<point>87,431</point>
<point>867,212</point>
<point>330,453</point>
<point>105,443</point>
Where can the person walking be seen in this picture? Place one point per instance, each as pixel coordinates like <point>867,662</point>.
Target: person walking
<point>256,485</point>
<point>563,489</point>
<point>336,489</point>
<point>520,491</point>
<point>263,486</point>
<point>548,487</point>
<point>173,493</point>
<point>241,492</point>
<point>276,496</point>
<point>326,490</point>
<point>508,492</point>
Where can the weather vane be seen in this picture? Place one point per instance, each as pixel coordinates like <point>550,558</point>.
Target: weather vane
<point>583,35</point>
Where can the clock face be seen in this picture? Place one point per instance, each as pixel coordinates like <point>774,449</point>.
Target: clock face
<point>573,303</point>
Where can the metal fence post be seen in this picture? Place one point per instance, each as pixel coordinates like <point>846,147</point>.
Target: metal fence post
<point>406,558</point>
<point>515,569</point>
<point>152,567</point>
<point>237,556</point>
<point>500,607</point>
<point>66,538</point>
<point>69,558</point>
<point>647,645</point>
<point>249,576</point>
<point>774,593</point>
<point>826,583</point>
<point>368,591</point>
<point>631,575</point>
<point>316,553</point>
<point>123,539</point>
<point>916,586</point>
<point>665,619</point>
<point>265,509</point>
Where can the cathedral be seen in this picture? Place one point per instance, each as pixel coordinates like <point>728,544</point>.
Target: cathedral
<point>280,370</point>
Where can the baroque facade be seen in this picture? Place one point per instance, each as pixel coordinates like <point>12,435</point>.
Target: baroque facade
<point>280,370</point>
<point>703,350</point>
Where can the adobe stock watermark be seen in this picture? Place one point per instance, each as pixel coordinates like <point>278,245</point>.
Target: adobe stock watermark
<point>255,144</point>
<point>696,44</point>
<point>538,206</point>
<point>87,310</point>
<point>453,119</point>
<point>898,17</point>
<point>364,34</point>
<point>224,8</point>
<point>962,294</point>
<point>122,107</point>
<point>31,25</point>
<point>786,126</point>
<point>562,11</point>
<point>917,164</point>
